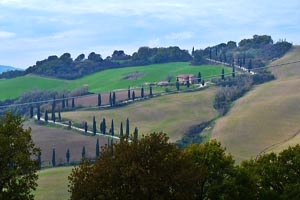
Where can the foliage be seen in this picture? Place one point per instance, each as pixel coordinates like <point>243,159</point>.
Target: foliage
<point>17,167</point>
<point>150,168</point>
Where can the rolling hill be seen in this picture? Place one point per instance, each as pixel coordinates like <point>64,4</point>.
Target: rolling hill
<point>4,68</point>
<point>266,118</point>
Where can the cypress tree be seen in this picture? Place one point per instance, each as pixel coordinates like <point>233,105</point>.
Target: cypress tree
<point>203,82</point>
<point>135,134</point>
<point>94,126</point>
<point>99,100</point>
<point>199,77</point>
<point>83,153</point>
<point>177,84</point>
<point>31,112</point>
<point>70,124</point>
<point>128,92</point>
<point>223,74</point>
<point>63,104</point>
<point>250,65</point>
<point>133,95</point>
<point>193,51</point>
<point>53,117</point>
<point>46,116</point>
<point>188,83</point>
<point>127,128</point>
<point>73,103</point>
<point>233,71</point>
<point>112,128</point>
<point>85,127</point>
<point>59,116</point>
<point>110,99</point>
<point>53,158</point>
<point>68,156</point>
<point>103,126</point>
<point>121,130</point>
<point>151,93</point>
<point>67,102</point>
<point>142,92</point>
<point>53,109</point>
<point>40,159</point>
<point>114,99</point>
<point>38,112</point>
<point>97,149</point>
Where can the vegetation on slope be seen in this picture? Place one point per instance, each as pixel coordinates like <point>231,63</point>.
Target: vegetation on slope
<point>267,117</point>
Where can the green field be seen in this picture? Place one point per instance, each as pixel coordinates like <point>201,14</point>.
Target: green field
<point>53,184</point>
<point>107,80</point>
<point>266,118</point>
<point>173,114</point>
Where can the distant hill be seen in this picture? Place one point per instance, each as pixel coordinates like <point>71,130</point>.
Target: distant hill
<point>4,68</point>
<point>266,118</point>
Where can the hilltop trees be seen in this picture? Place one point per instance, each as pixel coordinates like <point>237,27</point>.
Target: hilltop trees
<point>135,171</point>
<point>17,165</point>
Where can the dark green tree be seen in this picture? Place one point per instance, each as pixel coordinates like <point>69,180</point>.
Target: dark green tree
<point>114,99</point>
<point>127,128</point>
<point>99,100</point>
<point>83,153</point>
<point>233,71</point>
<point>68,156</point>
<point>142,92</point>
<point>135,133</point>
<point>112,129</point>
<point>46,116</point>
<point>110,99</point>
<point>199,77</point>
<point>188,83</point>
<point>18,159</point>
<point>67,102</point>
<point>203,83</point>
<point>128,92</point>
<point>73,103</point>
<point>223,74</point>
<point>59,116</point>
<point>38,112</point>
<point>97,148</point>
<point>151,92</point>
<point>103,126</point>
<point>85,127</point>
<point>121,130</point>
<point>177,84</point>
<point>94,125</point>
<point>133,95</point>
<point>53,109</point>
<point>53,158</point>
<point>250,65</point>
<point>63,103</point>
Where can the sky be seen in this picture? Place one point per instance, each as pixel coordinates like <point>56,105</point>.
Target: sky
<point>32,30</point>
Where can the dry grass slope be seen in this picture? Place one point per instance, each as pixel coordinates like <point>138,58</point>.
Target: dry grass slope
<point>267,118</point>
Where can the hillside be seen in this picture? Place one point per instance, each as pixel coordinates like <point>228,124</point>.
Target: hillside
<point>266,118</point>
<point>4,68</point>
<point>173,114</point>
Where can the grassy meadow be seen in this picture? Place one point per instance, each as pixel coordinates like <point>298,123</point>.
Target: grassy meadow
<point>107,80</point>
<point>266,118</point>
<point>53,184</point>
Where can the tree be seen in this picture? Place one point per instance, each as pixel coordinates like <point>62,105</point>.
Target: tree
<point>97,148</point>
<point>142,92</point>
<point>250,65</point>
<point>203,83</point>
<point>215,165</point>
<point>114,99</point>
<point>199,77</point>
<point>128,92</point>
<point>233,71</point>
<point>188,82</point>
<point>59,116</point>
<point>112,129</point>
<point>177,84</point>
<point>103,126</point>
<point>53,109</point>
<point>85,127</point>
<point>110,99</point>
<point>149,168</point>
<point>68,156</point>
<point>127,128</point>
<point>53,158</point>
<point>133,95</point>
<point>223,74</point>
<point>73,103</point>
<point>46,116</point>
<point>63,103</point>
<point>121,130</point>
<point>135,133</point>
<point>150,92</point>
<point>17,164</point>
<point>83,153</point>
<point>99,100</point>
<point>94,125</point>
<point>38,113</point>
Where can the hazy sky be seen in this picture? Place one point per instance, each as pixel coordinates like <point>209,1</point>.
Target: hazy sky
<point>31,30</point>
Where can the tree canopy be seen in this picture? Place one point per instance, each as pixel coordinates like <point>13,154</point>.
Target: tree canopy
<point>17,159</point>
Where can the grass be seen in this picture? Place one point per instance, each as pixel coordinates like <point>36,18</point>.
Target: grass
<point>12,88</point>
<point>107,80</point>
<point>172,114</point>
<point>266,118</point>
<point>53,184</point>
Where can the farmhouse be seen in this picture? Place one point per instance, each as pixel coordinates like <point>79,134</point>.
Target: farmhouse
<point>183,78</point>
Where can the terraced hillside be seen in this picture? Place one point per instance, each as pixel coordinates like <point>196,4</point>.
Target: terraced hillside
<point>266,118</point>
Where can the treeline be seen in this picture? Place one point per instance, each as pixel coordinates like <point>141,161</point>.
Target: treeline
<point>257,52</point>
<point>65,67</point>
<point>153,168</point>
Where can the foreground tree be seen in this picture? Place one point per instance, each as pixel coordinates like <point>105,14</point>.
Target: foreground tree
<point>17,168</point>
<point>150,168</point>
